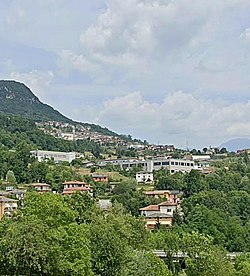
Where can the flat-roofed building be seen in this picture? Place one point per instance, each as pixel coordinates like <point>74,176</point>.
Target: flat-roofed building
<point>149,165</point>
<point>57,156</point>
<point>144,177</point>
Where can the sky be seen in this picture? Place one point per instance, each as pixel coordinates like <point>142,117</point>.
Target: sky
<point>168,71</point>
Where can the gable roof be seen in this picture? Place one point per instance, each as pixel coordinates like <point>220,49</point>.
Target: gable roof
<point>150,208</point>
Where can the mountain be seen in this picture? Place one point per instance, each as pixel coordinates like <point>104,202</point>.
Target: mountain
<point>17,99</point>
<point>236,144</point>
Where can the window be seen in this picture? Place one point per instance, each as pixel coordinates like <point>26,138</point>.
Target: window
<point>172,163</point>
<point>169,210</point>
<point>182,163</point>
<point>176,163</point>
<point>157,163</point>
<point>165,163</point>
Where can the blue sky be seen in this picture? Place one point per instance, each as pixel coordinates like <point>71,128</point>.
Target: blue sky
<point>162,70</point>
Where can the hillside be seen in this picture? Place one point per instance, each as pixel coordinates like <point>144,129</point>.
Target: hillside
<point>17,99</point>
<point>15,130</point>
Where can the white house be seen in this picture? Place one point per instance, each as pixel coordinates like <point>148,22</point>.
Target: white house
<point>144,177</point>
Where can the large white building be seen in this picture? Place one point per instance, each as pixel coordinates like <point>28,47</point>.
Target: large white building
<point>173,165</point>
<point>57,156</point>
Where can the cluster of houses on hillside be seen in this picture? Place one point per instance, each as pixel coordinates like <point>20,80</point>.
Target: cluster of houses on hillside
<point>161,214</point>
<point>10,197</point>
<point>74,132</point>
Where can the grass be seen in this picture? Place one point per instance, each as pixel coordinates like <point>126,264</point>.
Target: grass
<point>115,176</point>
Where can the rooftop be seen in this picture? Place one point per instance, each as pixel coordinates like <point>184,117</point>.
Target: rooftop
<point>150,208</point>
<point>40,184</point>
<point>166,203</point>
<point>6,199</point>
<point>74,182</point>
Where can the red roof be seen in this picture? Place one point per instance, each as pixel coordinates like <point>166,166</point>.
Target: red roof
<point>167,203</point>
<point>160,192</point>
<point>40,185</point>
<point>75,189</point>
<point>150,208</point>
<point>73,182</point>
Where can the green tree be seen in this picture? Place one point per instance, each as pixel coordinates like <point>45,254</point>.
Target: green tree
<point>10,178</point>
<point>146,264</point>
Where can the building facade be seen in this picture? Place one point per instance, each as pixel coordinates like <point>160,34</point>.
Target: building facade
<point>57,156</point>
<point>69,187</point>
<point>7,206</point>
<point>144,177</point>
<point>149,165</point>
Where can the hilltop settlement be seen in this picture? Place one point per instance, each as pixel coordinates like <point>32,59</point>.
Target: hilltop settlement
<point>79,199</point>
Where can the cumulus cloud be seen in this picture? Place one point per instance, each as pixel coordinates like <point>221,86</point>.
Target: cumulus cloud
<point>143,38</point>
<point>37,81</point>
<point>179,117</point>
<point>107,48</point>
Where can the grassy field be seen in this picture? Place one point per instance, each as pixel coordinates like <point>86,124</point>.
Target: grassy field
<point>115,176</point>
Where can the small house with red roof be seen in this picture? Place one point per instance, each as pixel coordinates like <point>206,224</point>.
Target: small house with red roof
<point>41,187</point>
<point>69,187</point>
<point>159,214</point>
<point>100,177</point>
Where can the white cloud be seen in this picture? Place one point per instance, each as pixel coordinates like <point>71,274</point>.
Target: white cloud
<point>181,116</point>
<point>139,38</point>
<point>107,48</point>
<point>37,81</point>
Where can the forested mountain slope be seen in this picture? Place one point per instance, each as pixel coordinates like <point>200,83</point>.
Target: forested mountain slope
<point>15,129</point>
<point>17,99</point>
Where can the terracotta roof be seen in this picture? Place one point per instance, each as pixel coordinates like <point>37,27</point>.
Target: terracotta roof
<point>75,189</point>
<point>162,192</point>
<point>73,182</point>
<point>40,184</point>
<point>166,203</point>
<point>150,208</point>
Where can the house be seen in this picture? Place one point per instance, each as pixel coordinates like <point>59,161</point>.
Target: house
<point>57,156</point>
<point>41,187</point>
<point>159,214</point>
<point>7,206</point>
<point>144,177</point>
<point>100,177</point>
<point>170,196</point>
<point>69,187</point>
